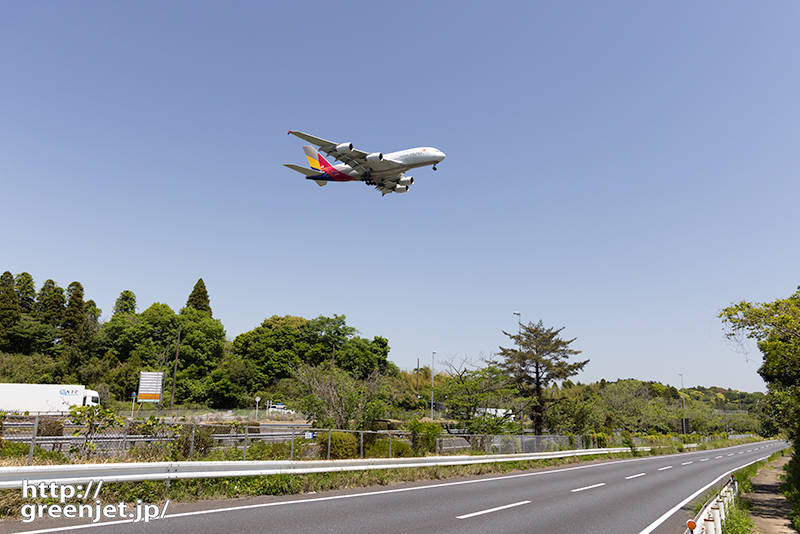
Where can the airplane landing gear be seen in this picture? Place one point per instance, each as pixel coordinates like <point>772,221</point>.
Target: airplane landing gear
<point>434,167</point>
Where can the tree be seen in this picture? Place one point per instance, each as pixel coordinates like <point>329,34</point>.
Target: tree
<point>74,315</point>
<point>198,299</point>
<point>26,292</point>
<point>776,328</point>
<point>50,304</point>
<point>126,303</point>
<point>9,307</point>
<point>336,398</point>
<point>538,359</point>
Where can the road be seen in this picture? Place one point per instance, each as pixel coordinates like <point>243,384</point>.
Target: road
<point>638,495</point>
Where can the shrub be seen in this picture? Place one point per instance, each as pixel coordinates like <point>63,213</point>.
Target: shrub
<point>343,445</point>
<point>380,449</point>
<point>50,427</point>
<point>423,436</point>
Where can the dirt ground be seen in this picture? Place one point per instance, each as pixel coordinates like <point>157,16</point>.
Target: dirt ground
<point>770,508</point>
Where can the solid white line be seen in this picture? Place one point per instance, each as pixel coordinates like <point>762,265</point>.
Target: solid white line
<point>467,516</point>
<point>654,525</point>
<point>635,476</point>
<point>665,468</point>
<point>588,487</point>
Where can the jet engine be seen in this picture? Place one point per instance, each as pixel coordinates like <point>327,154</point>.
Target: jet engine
<point>406,180</point>
<point>344,148</point>
<point>401,188</point>
<point>375,156</point>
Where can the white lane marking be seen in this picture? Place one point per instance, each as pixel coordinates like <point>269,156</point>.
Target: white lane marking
<point>717,457</point>
<point>635,476</point>
<point>576,490</point>
<point>473,514</point>
<point>731,454</point>
<point>704,460</point>
<point>687,463</point>
<point>665,468</point>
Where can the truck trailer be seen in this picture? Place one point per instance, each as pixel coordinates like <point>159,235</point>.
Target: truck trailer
<point>50,399</point>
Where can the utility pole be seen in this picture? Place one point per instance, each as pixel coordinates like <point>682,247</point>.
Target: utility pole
<point>432,355</point>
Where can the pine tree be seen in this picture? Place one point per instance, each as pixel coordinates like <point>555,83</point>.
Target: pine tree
<point>199,298</point>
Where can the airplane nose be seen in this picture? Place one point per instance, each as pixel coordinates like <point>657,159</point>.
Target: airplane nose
<point>440,155</point>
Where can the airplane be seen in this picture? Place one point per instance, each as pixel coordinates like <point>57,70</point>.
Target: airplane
<point>385,171</point>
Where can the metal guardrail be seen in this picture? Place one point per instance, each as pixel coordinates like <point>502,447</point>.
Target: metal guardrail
<point>713,514</point>
<point>13,477</point>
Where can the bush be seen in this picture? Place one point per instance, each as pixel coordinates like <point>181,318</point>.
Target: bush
<point>380,449</point>
<point>343,445</point>
<point>601,440</point>
<point>423,436</point>
<point>50,427</point>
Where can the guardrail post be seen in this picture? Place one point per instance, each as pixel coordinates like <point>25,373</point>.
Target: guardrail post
<point>33,439</point>
<point>716,519</point>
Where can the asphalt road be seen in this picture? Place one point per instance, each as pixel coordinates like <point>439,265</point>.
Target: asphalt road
<point>638,496</point>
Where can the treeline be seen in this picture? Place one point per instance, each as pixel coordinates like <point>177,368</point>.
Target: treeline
<point>54,336</point>
<point>324,369</point>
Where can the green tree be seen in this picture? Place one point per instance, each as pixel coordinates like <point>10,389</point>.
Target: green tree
<point>51,304</point>
<point>9,307</point>
<point>26,292</point>
<point>475,392</point>
<point>198,299</point>
<point>73,327</point>
<point>538,359</point>
<point>333,397</point>
<point>126,303</point>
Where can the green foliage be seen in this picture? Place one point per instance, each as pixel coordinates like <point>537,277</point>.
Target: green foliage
<point>380,449</point>
<point>9,308</point>
<point>342,445</point>
<point>423,435</point>
<point>738,520</point>
<point>91,421</point>
<point>198,299</point>
<point>126,303</point>
<point>538,358</point>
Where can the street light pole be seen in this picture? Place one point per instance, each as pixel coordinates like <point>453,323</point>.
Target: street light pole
<point>432,355</point>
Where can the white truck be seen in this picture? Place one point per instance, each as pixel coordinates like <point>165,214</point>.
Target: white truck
<point>52,399</point>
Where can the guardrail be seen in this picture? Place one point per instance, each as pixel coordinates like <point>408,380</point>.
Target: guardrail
<point>711,517</point>
<point>13,477</point>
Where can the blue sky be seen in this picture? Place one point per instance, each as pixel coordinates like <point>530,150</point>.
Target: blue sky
<point>620,169</point>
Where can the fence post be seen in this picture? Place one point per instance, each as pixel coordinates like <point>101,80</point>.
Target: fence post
<point>329,444</point>
<point>390,444</point>
<point>33,439</point>
<point>361,447</point>
<point>244,455</point>
<point>125,436</point>
<point>191,443</point>
<point>291,450</point>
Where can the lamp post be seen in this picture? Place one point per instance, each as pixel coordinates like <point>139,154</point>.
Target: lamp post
<point>258,399</point>
<point>519,335</point>
<point>683,408</point>
<point>432,355</point>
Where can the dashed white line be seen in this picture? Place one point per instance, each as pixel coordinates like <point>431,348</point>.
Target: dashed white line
<point>687,463</point>
<point>704,460</point>
<point>665,468</point>
<point>717,457</point>
<point>467,516</point>
<point>731,454</point>
<point>576,490</point>
<point>635,476</point>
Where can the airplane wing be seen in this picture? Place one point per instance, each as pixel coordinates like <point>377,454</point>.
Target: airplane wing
<point>356,159</point>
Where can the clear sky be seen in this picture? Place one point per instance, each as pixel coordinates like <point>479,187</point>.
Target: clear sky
<point>620,169</point>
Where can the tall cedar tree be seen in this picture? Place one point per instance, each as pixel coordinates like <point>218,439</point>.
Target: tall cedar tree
<point>199,298</point>
<point>50,304</point>
<point>9,306</point>
<point>126,303</point>
<point>74,316</point>
<point>26,292</point>
<point>537,360</point>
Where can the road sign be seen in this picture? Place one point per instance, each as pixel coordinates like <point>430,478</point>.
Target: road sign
<point>150,386</point>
